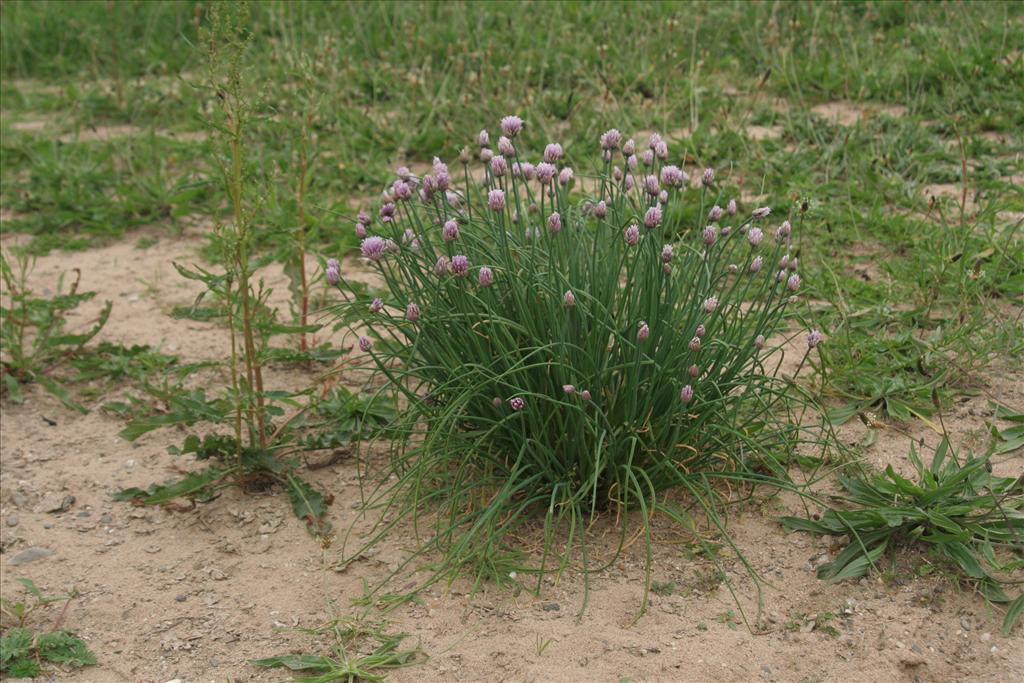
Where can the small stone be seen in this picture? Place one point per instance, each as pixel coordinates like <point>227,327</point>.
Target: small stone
<point>84,513</point>
<point>985,637</point>
<point>181,598</point>
<point>551,607</point>
<point>55,503</point>
<point>965,623</point>
<point>766,674</point>
<point>911,659</point>
<point>12,520</point>
<point>47,525</point>
<point>106,519</point>
<point>29,555</point>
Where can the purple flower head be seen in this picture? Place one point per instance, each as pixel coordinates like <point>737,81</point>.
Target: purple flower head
<point>663,197</point>
<point>709,176</point>
<point>486,276</point>
<point>793,283</point>
<point>759,341</point>
<point>666,254</point>
<point>715,213</point>
<point>672,176</point>
<point>610,139</point>
<point>647,157</point>
<point>365,344</point>
<point>408,235</point>
<point>585,395</point>
<point>517,403</point>
<point>464,155</point>
<point>333,272</point>
<point>568,389</point>
<point>450,231</point>
<point>654,140</point>
<point>694,370</point>
<point>701,331</point>
<point>601,209</point>
<point>442,266</point>
<point>401,190</point>
<point>631,162</point>
<point>642,332</point>
<point>377,305</point>
<point>695,344</point>
<point>710,235</point>
<point>652,218</point>
<point>511,125</point>
<point>793,263</point>
<point>631,235</point>
<point>731,207</point>
<point>496,200</point>
<point>814,337</point>
<point>710,304</point>
<point>555,222</point>
<point>783,231</point>
<point>762,212</point>
<point>403,173</point>
<point>784,262</point>
<point>755,236</point>
<point>755,265</point>
<point>486,154</point>
<point>387,210</point>
<point>569,299</point>
<point>505,147</point>
<point>363,217</point>
<point>686,395</point>
<point>524,170</point>
<point>460,265</point>
<point>628,184</point>
<point>617,174</point>
<point>412,312</point>
<point>499,166</point>
<point>565,177</point>
<point>726,231</point>
<point>373,248</point>
<point>629,148</point>
<point>484,139</point>
<point>545,172</point>
<point>651,185</point>
<point>552,152</point>
<point>661,150</point>
<point>497,402</point>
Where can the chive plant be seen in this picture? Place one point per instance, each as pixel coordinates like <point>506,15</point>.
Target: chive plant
<point>568,344</point>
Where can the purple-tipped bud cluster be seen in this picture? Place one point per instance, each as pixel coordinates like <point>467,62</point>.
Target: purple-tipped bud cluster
<point>709,176</point>
<point>694,370</point>
<point>814,337</point>
<point>710,235</point>
<point>412,312</point>
<point>631,235</point>
<point>701,331</point>
<point>600,209</point>
<point>661,150</point>
<point>565,176</point>
<point>610,139</point>
<point>759,342</point>
<point>731,207</point>
<point>754,236</point>
<point>496,200</point>
<point>793,283</point>
<point>652,218</point>
<point>499,167</point>
<point>629,148</point>
<point>585,395</point>
<point>377,305</point>
<point>450,231</point>
<point>647,157</point>
<point>686,394</point>
<point>642,332</point>
<point>363,217</point>
<point>517,403</point>
<point>695,344</point>
<point>652,186</point>
<point>569,299</point>
<point>511,125</point>
<point>756,264</point>
<point>555,222</point>
<point>485,277</point>
<point>486,154</point>
<point>365,344</point>
<point>715,213</point>
<point>442,266</point>
<point>546,172</point>
<point>387,212</point>
<point>333,271</point>
<point>484,139</point>
<point>667,254</point>
<point>673,176</point>
<point>783,231</point>
<point>762,212</point>
<point>374,248</point>
<point>710,304</point>
<point>524,170</point>
<point>552,152</point>
<point>460,265</point>
<point>360,230</point>
<point>568,389</point>
<point>505,147</point>
<point>401,190</point>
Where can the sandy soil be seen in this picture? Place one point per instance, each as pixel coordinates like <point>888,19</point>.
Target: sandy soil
<point>192,596</point>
